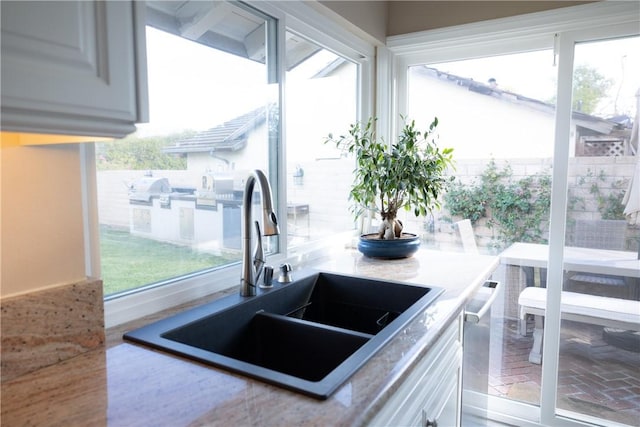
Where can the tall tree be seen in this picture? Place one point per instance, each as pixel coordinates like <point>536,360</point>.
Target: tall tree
<point>589,87</point>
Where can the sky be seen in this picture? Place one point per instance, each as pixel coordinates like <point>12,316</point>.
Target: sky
<point>192,86</point>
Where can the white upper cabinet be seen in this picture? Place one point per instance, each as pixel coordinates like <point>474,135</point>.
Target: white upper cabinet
<point>73,67</point>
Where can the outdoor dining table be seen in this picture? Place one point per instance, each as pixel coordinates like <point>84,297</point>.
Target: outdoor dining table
<point>599,261</point>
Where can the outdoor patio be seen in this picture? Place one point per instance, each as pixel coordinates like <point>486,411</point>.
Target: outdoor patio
<point>595,378</point>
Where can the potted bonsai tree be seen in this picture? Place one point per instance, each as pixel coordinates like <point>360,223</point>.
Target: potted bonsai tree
<point>407,174</point>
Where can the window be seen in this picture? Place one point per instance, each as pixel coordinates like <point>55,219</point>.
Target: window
<point>169,195</point>
<point>321,99</point>
<point>497,114</point>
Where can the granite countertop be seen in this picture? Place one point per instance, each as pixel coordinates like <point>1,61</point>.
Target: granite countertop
<point>125,384</point>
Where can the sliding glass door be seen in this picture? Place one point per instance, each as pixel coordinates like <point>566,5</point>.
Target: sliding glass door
<point>599,344</point>
<point>541,122</point>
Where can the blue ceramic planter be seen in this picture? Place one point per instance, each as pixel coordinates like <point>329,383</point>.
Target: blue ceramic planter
<point>373,247</point>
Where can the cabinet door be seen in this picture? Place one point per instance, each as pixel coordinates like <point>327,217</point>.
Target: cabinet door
<point>73,67</point>
<point>430,393</point>
<point>444,409</point>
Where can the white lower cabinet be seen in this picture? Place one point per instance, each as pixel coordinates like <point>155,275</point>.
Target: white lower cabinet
<point>430,395</point>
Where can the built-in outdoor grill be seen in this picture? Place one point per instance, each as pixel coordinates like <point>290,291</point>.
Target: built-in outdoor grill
<point>183,213</point>
<point>145,188</point>
<point>213,188</point>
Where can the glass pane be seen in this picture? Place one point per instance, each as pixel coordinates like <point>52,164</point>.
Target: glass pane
<point>498,115</point>
<point>599,367</point>
<point>170,194</point>
<point>321,99</point>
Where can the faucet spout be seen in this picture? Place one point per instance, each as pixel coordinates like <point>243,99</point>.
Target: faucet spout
<point>250,267</point>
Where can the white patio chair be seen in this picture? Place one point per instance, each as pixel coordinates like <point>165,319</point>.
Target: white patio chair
<point>466,235</point>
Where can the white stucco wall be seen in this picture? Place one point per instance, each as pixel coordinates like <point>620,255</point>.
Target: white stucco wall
<point>478,125</point>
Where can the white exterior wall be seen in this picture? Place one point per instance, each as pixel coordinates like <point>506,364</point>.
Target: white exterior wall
<point>254,155</point>
<point>478,125</point>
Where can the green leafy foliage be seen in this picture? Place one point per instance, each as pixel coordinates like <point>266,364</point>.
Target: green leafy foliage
<point>609,200</point>
<point>589,87</point>
<point>518,210</point>
<point>466,202</point>
<point>409,173</point>
<point>135,153</point>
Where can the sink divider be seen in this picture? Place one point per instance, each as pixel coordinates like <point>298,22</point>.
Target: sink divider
<point>314,325</point>
<point>302,307</point>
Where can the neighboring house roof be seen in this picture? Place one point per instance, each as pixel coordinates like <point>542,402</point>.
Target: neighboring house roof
<point>622,120</point>
<point>587,121</point>
<point>229,136</point>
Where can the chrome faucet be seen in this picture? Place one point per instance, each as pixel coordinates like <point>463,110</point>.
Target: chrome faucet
<point>251,269</point>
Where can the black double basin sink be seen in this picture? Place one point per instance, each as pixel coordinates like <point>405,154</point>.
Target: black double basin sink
<point>309,335</point>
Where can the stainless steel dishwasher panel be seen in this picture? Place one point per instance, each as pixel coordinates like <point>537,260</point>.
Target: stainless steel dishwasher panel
<point>476,350</point>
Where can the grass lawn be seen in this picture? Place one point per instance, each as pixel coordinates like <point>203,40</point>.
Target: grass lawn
<point>129,262</point>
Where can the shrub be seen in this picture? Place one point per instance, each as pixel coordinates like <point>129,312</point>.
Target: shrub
<point>607,194</point>
<point>517,210</point>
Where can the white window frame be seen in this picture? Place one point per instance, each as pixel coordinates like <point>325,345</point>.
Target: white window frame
<point>558,30</point>
<point>566,42</point>
<point>313,22</point>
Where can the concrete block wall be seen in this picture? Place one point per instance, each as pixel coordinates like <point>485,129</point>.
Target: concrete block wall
<point>611,174</point>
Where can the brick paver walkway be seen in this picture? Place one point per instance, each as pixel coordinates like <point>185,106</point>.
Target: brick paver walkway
<point>595,378</point>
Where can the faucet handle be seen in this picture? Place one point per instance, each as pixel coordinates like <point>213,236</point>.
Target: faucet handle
<point>285,273</point>
<point>267,277</point>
